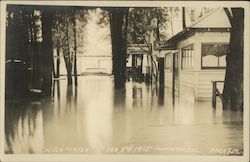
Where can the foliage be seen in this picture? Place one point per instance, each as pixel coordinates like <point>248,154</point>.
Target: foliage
<point>144,21</point>
<point>68,35</point>
<point>63,29</point>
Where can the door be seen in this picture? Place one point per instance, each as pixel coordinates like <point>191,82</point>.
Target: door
<point>137,64</point>
<point>175,85</point>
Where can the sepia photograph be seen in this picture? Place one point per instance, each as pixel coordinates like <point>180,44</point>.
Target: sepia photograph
<point>135,81</point>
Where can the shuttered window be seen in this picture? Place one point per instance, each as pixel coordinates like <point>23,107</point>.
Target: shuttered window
<point>214,55</point>
<point>187,57</point>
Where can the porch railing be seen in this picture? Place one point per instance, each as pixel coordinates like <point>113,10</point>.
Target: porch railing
<point>216,92</point>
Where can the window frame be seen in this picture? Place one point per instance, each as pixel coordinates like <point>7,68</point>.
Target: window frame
<point>192,57</point>
<point>214,67</point>
<point>168,56</point>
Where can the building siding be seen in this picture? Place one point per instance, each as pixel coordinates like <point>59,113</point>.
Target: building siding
<point>186,84</point>
<point>205,84</point>
<point>196,82</point>
<point>168,78</point>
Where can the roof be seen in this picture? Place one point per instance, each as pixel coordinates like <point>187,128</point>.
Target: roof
<point>215,21</point>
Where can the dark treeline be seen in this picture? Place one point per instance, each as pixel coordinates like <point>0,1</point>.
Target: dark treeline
<point>29,51</point>
<point>32,32</point>
<point>23,51</point>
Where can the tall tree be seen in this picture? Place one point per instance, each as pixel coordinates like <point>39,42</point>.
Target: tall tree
<point>34,46</point>
<point>75,46</point>
<point>47,50</point>
<point>62,39</point>
<point>233,87</point>
<point>118,36</point>
<point>68,56</point>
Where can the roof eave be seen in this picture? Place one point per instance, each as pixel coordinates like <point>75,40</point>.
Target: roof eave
<point>191,30</point>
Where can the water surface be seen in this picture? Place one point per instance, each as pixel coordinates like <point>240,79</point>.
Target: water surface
<point>93,118</point>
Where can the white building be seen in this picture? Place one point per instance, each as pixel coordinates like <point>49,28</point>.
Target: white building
<point>199,56</point>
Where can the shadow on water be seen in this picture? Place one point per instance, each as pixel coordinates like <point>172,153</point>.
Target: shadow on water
<point>56,88</point>
<point>23,127</point>
<point>153,88</point>
<point>161,95</point>
<point>232,117</point>
<point>76,96</point>
<point>119,98</point>
<point>137,96</point>
<point>71,97</point>
<point>62,93</point>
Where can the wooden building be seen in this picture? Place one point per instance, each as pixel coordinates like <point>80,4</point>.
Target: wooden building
<point>87,64</point>
<point>198,56</point>
<point>138,61</point>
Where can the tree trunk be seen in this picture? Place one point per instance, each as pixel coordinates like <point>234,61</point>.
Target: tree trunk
<point>75,49</point>
<point>68,67</point>
<point>183,18</point>
<point>67,55</point>
<point>233,87</point>
<point>158,29</point>
<point>47,50</point>
<point>58,60</point>
<point>117,38</point>
<point>171,22</point>
<point>35,55</point>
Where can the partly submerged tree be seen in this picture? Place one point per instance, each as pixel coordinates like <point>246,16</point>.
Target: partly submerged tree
<point>73,16</point>
<point>134,25</point>
<point>62,39</point>
<point>68,37</point>
<point>233,87</point>
<point>47,49</point>
<point>118,25</point>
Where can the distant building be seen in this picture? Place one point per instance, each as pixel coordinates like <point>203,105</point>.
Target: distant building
<point>88,64</point>
<point>197,56</point>
<point>99,64</point>
<point>138,62</point>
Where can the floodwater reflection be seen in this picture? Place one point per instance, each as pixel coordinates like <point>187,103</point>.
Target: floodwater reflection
<point>24,129</point>
<point>95,118</point>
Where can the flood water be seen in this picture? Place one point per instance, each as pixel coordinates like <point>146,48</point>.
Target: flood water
<point>95,119</point>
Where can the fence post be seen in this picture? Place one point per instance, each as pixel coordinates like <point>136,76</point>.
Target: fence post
<point>214,95</point>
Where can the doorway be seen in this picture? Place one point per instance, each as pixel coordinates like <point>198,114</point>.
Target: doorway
<point>137,64</point>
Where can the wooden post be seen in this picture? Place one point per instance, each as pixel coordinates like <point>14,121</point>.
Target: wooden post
<point>161,71</point>
<point>214,95</point>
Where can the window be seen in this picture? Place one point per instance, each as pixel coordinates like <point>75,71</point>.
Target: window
<point>214,55</point>
<point>187,57</point>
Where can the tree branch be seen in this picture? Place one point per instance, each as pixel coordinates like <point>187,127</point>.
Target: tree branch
<point>141,47</point>
<point>229,15</point>
<point>145,42</point>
